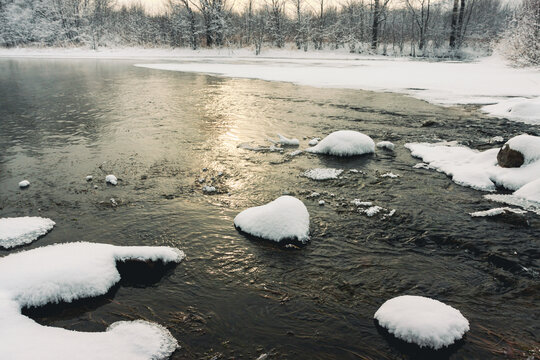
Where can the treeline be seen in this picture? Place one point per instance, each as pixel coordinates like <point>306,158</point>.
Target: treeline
<point>400,27</point>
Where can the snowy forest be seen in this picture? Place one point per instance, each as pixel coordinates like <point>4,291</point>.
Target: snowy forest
<point>389,27</point>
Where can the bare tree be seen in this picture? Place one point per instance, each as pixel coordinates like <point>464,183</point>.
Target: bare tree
<point>378,12</point>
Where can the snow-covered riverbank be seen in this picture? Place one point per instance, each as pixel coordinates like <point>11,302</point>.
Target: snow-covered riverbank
<point>509,92</point>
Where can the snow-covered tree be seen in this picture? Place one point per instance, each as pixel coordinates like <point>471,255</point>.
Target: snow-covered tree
<point>521,43</point>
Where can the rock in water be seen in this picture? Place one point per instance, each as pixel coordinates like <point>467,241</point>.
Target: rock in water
<point>422,321</point>
<point>509,158</point>
<point>344,143</point>
<point>285,218</point>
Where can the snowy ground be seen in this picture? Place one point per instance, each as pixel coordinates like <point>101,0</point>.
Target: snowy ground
<point>489,81</point>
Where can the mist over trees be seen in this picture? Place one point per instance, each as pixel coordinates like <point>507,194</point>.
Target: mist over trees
<point>431,28</point>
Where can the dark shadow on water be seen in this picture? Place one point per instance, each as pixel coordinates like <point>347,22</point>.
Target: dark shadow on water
<point>289,243</point>
<point>134,273</point>
<point>415,352</point>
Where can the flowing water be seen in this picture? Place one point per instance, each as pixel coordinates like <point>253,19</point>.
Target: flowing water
<point>167,134</point>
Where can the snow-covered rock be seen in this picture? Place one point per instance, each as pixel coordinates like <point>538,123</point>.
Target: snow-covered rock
<point>314,141</point>
<point>344,143</point>
<point>111,179</point>
<point>322,202</point>
<point>322,174</point>
<point>67,272</point>
<point>422,321</point>
<point>527,146</point>
<point>89,178</point>
<point>285,218</point>
<point>209,189</point>
<point>23,230</point>
<point>373,210</point>
<point>386,145</point>
<point>24,184</point>
<point>287,142</point>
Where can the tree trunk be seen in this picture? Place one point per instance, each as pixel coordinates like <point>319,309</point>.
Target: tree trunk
<point>460,23</point>
<point>375,27</point>
<point>453,32</point>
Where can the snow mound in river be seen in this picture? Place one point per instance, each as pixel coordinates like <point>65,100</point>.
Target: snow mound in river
<point>344,143</point>
<point>422,321</point>
<point>282,219</point>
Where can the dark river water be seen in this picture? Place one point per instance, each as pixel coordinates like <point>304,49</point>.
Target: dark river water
<point>161,132</point>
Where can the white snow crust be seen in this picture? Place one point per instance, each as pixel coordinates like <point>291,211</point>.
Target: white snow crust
<point>321,174</point>
<point>111,179</point>
<point>24,183</point>
<point>422,321</point>
<point>386,145</point>
<point>66,272</point>
<point>284,218</point>
<point>496,211</point>
<point>344,143</point>
<point>288,142</point>
<point>23,230</point>
<point>518,109</point>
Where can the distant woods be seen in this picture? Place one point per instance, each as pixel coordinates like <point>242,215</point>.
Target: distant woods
<point>394,27</point>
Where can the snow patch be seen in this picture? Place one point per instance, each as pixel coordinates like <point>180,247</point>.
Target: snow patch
<point>422,321</point>
<point>314,141</point>
<point>67,272</point>
<point>386,145</point>
<point>23,230</point>
<point>479,170</point>
<point>322,173</point>
<point>111,179</point>
<point>344,143</point>
<point>358,202</point>
<point>282,219</point>
<point>287,142</point>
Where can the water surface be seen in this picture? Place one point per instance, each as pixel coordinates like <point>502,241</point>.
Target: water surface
<point>167,134</point>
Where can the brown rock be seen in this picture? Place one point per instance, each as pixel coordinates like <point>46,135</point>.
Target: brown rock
<point>509,158</point>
